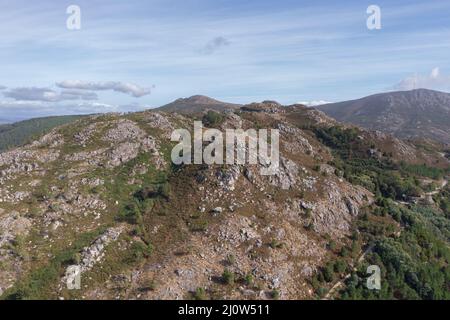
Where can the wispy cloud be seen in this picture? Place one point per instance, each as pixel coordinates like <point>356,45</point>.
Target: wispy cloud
<point>215,44</point>
<point>123,87</point>
<point>435,81</point>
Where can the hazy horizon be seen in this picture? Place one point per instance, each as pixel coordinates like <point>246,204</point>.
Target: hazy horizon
<point>313,104</point>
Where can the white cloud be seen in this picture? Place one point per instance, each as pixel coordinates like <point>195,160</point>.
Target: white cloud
<point>435,81</point>
<point>314,103</point>
<point>31,94</point>
<point>435,73</point>
<point>48,95</point>
<point>124,87</point>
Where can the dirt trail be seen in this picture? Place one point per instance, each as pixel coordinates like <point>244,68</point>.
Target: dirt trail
<point>338,284</point>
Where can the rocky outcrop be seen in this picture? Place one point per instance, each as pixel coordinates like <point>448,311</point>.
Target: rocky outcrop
<point>286,176</point>
<point>94,253</point>
<point>124,130</point>
<point>265,106</point>
<point>123,153</point>
<point>228,177</point>
<point>159,121</point>
<point>334,214</point>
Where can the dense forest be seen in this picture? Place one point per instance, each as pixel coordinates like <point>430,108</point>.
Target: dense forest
<point>408,241</point>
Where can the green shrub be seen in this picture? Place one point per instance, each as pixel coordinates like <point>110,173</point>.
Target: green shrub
<point>199,294</point>
<point>344,252</point>
<point>139,251</point>
<point>213,118</point>
<point>332,245</point>
<point>164,190</point>
<point>328,272</point>
<point>275,244</point>
<point>148,285</point>
<point>248,279</point>
<point>131,214</point>
<point>228,277</point>
<point>231,259</point>
<point>321,292</point>
<point>340,266</point>
<point>356,248</point>
<point>199,225</point>
<point>275,294</point>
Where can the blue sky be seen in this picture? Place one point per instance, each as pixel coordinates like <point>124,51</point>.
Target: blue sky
<point>130,55</point>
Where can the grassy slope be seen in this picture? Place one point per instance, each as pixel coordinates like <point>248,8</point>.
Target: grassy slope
<point>19,133</point>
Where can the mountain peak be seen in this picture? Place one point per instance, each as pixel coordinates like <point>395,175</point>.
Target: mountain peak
<point>200,99</point>
<point>197,104</point>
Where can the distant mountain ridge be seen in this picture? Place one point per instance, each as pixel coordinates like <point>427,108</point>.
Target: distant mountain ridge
<point>16,134</point>
<point>197,103</point>
<point>419,113</point>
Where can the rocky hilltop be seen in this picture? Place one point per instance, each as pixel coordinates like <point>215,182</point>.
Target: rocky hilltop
<point>102,193</point>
